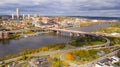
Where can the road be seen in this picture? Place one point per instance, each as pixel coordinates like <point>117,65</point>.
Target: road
<point>56,51</point>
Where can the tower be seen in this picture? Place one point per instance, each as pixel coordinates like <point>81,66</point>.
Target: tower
<point>23,16</point>
<point>28,16</point>
<point>12,16</point>
<point>18,13</point>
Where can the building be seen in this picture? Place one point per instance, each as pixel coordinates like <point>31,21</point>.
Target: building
<point>40,62</point>
<point>4,35</point>
<point>28,16</point>
<point>108,62</point>
<point>18,13</point>
<point>115,59</point>
<point>45,20</point>
<point>23,16</point>
<point>12,16</point>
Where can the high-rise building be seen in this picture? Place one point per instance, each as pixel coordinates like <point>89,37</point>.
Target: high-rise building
<point>17,13</point>
<point>12,16</point>
<point>28,16</point>
<point>23,16</point>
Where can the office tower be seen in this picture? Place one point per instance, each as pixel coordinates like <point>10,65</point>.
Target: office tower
<point>18,13</point>
<point>12,16</point>
<point>28,16</point>
<point>23,16</point>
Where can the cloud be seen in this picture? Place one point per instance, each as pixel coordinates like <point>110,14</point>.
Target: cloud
<point>63,7</point>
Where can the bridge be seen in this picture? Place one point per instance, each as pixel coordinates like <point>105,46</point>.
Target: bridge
<point>79,33</point>
<point>71,32</point>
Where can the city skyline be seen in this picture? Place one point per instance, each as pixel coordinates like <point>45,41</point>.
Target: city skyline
<point>107,8</point>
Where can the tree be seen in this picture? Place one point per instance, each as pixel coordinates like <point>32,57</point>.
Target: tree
<point>73,43</point>
<point>56,62</point>
<point>1,21</point>
<point>24,57</point>
<point>118,54</point>
<point>69,56</point>
<point>44,48</point>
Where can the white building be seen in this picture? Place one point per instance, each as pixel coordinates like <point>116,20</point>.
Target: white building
<point>23,16</point>
<point>28,16</point>
<point>17,13</point>
<point>13,16</point>
<point>115,59</point>
<point>94,20</point>
<point>99,64</point>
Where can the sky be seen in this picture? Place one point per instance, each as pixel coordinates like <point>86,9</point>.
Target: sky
<point>104,8</point>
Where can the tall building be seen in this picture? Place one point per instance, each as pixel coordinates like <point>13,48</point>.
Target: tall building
<point>23,16</point>
<point>12,16</point>
<point>18,13</point>
<point>28,16</point>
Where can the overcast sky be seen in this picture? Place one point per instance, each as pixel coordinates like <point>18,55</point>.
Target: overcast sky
<point>62,7</point>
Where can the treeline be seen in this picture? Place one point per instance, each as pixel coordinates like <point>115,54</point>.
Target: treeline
<point>14,36</point>
<point>87,40</point>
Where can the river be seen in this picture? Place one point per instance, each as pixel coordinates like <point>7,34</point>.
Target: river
<point>11,47</point>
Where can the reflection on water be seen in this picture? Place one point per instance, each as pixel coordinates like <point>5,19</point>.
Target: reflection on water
<point>5,42</point>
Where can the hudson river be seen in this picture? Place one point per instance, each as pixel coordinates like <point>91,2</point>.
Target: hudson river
<point>10,47</point>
